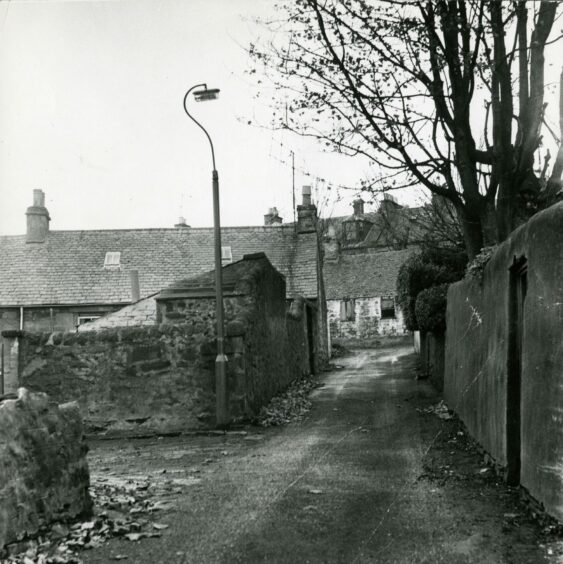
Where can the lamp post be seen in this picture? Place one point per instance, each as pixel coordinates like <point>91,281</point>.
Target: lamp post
<point>202,94</point>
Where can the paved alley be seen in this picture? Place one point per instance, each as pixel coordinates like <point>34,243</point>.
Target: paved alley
<point>356,481</point>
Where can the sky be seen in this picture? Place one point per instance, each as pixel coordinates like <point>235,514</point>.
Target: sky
<point>91,113</point>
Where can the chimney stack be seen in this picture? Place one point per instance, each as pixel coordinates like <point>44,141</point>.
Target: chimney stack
<point>306,213</point>
<point>181,223</point>
<point>37,219</point>
<point>358,205</point>
<point>389,204</point>
<point>272,217</point>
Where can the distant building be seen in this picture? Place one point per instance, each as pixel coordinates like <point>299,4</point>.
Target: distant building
<point>362,256</point>
<point>59,280</point>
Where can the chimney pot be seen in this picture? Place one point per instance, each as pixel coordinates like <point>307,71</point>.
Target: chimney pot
<point>181,223</point>
<point>358,205</point>
<point>272,217</point>
<point>306,213</point>
<point>38,198</point>
<point>306,193</point>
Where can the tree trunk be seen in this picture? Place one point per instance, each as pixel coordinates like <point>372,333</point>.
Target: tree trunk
<point>472,232</point>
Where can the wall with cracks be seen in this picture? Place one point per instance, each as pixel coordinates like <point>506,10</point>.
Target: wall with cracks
<point>504,356</point>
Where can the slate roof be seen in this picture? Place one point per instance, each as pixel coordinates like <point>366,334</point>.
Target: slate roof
<point>141,313</point>
<point>144,312</point>
<point>364,275</point>
<point>404,224</point>
<point>68,268</point>
<point>231,274</point>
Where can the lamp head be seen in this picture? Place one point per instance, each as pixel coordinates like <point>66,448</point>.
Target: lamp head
<point>206,94</point>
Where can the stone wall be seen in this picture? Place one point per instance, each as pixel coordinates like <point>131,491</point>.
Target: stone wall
<point>367,323</point>
<point>482,358</point>
<point>128,380</point>
<point>256,320</point>
<point>162,378</point>
<point>432,355</point>
<point>43,469</point>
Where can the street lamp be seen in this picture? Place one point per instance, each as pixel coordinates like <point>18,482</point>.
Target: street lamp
<point>222,412</point>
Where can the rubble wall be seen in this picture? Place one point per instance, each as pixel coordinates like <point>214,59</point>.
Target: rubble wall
<point>43,469</point>
<point>161,379</point>
<point>269,347</point>
<point>477,355</point>
<point>127,380</point>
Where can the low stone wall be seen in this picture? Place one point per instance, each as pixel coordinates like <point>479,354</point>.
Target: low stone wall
<point>504,356</point>
<point>432,356</point>
<point>128,380</point>
<point>161,379</point>
<point>43,469</point>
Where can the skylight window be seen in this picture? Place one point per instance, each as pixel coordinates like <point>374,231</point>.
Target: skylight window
<point>112,260</point>
<point>226,254</point>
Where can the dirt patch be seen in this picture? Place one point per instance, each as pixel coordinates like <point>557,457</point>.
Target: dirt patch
<point>461,469</point>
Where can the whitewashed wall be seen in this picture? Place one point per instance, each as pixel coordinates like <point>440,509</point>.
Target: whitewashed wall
<point>367,323</point>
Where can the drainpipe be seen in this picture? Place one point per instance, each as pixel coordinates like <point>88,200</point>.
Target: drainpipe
<point>2,367</point>
<point>21,318</point>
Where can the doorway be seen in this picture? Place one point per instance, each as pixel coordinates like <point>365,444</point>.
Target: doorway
<point>518,289</point>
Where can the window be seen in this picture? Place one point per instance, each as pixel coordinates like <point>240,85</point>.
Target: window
<point>112,260</point>
<point>226,254</point>
<point>387,308</point>
<point>86,318</point>
<point>347,310</point>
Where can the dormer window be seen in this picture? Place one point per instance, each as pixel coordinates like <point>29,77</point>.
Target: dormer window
<point>226,254</point>
<point>355,230</point>
<point>112,260</point>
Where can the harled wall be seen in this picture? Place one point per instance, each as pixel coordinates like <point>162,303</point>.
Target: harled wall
<point>477,355</point>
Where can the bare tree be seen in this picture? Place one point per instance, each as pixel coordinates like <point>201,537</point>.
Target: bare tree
<point>444,94</point>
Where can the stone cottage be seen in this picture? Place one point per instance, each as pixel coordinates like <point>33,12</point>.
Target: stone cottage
<point>362,256</point>
<point>58,280</point>
<point>161,378</point>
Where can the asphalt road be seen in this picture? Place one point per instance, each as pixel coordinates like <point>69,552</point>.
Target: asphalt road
<point>345,485</point>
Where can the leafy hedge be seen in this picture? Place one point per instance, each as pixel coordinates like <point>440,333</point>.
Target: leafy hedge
<point>418,273</point>
<point>430,308</point>
<point>430,268</point>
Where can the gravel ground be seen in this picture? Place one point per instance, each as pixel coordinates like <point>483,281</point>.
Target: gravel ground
<point>376,471</point>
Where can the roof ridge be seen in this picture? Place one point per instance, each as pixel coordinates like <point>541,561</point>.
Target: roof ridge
<point>165,229</point>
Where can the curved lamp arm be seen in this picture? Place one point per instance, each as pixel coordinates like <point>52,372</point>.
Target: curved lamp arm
<point>197,122</point>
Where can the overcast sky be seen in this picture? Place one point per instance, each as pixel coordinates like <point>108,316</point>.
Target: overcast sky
<point>91,112</point>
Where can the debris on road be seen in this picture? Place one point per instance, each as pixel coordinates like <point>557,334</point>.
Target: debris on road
<point>290,405</point>
<point>122,507</point>
<point>440,409</point>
